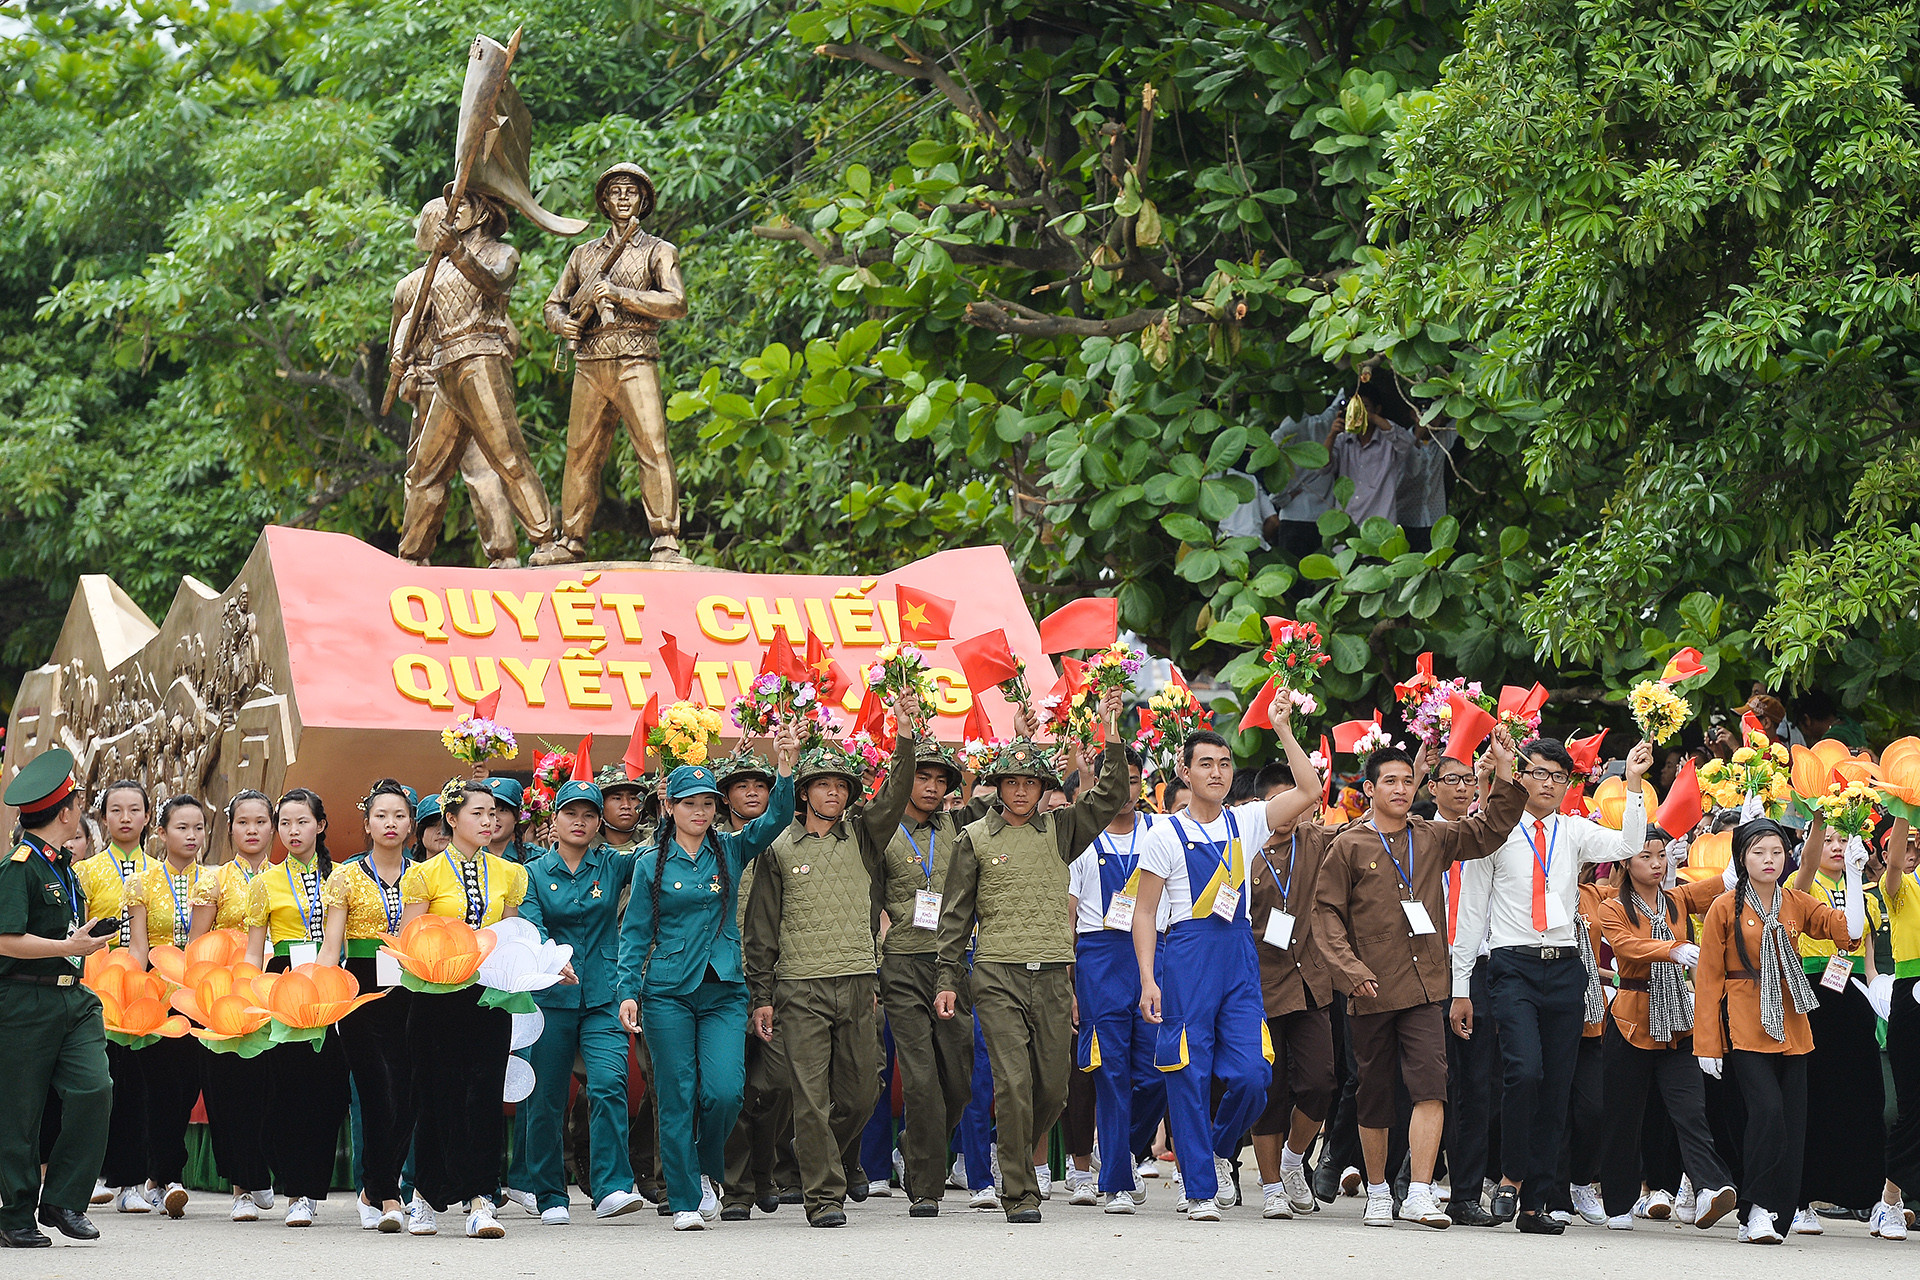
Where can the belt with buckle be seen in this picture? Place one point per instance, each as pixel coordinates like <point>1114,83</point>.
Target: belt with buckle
<point>1545,953</point>
<point>45,979</point>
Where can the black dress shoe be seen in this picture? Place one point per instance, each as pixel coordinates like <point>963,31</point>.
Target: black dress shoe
<point>1024,1217</point>
<point>791,1196</point>
<point>768,1203</point>
<point>664,1209</point>
<point>74,1226</point>
<point>1506,1201</point>
<point>1539,1224</point>
<point>27,1237</point>
<point>828,1218</point>
<point>1326,1182</point>
<point>924,1209</point>
<point>736,1213</point>
<point>1469,1214</point>
<point>857,1190</point>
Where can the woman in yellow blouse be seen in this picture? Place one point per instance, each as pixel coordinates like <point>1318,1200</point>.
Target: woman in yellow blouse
<point>160,912</point>
<point>362,899</point>
<point>103,878</point>
<point>459,1048</point>
<point>1900,888</point>
<point>1845,1158</point>
<point>235,1088</point>
<point>306,1090</point>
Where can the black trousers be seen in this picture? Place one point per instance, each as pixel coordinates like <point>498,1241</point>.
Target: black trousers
<point>307,1098</point>
<point>235,1089</point>
<point>1540,1006</point>
<point>1675,1073</point>
<point>1660,1163</point>
<point>1903,1055</point>
<point>1473,1088</point>
<point>459,1069</point>
<point>1076,1122</point>
<point>171,1072</point>
<point>1774,1088</point>
<point>1586,1121</point>
<point>1845,1158</point>
<point>126,1163</point>
<point>374,1037</point>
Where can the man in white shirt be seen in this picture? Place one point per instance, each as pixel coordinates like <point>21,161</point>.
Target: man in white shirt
<point>1213,1019</point>
<point>1536,982</point>
<point>1309,495</point>
<point>1115,1042</point>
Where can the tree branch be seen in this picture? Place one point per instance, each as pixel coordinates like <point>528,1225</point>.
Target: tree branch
<point>1024,322</point>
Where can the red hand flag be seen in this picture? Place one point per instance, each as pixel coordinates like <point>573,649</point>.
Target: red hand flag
<point>1259,712</point>
<point>1575,801</point>
<point>923,615</point>
<point>635,761</point>
<point>1681,809</point>
<point>1346,736</point>
<point>1422,677</point>
<point>872,717</point>
<point>679,666</point>
<point>583,760</point>
<point>781,660</point>
<point>1750,726</point>
<point>1684,665</point>
<point>1522,702</point>
<point>484,709</point>
<point>978,728</point>
<point>987,661</point>
<point>1173,674</point>
<point>1074,673</point>
<point>1092,623</point>
<point>1062,693</point>
<point>1586,755</point>
<point>828,676</point>
<point>1471,726</point>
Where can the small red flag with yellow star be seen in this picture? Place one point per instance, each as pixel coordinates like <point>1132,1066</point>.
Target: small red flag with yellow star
<point>923,615</point>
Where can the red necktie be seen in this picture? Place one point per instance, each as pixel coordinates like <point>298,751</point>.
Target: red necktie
<point>1453,902</point>
<point>1539,876</point>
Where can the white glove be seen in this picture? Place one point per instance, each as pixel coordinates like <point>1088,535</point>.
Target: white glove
<point>1686,955</point>
<point>1879,994</point>
<point>1709,1066</point>
<point>1728,877</point>
<point>1856,854</point>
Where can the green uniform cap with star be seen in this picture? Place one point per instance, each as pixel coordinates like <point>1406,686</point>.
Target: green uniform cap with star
<point>1021,758</point>
<point>828,761</point>
<point>46,780</point>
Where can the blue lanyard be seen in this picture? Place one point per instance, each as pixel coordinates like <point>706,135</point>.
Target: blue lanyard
<point>386,904</point>
<point>182,911</point>
<point>1293,848</point>
<point>1405,873</point>
<point>66,883</point>
<point>926,859</point>
<point>1133,838</point>
<point>486,892</point>
<point>1546,867</point>
<point>1224,852</point>
<point>302,896</point>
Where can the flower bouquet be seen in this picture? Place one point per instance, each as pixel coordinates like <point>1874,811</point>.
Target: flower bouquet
<point>1851,809</point>
<point>1295,654</point>
<point>977,753</point>
<point>773,700</point>
<point>1371,741</point>
<point>550,772</point>
<point>900,669</point>
<point>1114,667</point>
<point>688,733</point>
<point>474,740</point>
<point>1658,711</point>
<point>1756,778</point>
<point>1431,717</point>
<point>1170,717</point>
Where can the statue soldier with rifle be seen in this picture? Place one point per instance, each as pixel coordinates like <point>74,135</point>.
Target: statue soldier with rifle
<point>460,308</point>
<point>608,305</point>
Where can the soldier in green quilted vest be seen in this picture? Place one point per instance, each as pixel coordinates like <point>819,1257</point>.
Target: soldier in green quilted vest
<point>813,921</point>
<point>1009,875</point>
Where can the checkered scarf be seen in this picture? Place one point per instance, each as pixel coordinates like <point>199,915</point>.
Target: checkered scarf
<point>1779,966</point>
<point>1596,999</point>
<point>1669,1003</point>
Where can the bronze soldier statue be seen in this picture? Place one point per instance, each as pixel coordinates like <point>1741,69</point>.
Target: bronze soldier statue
<point>609,302</point>
<point>472,367</point>
<point>492,511</point>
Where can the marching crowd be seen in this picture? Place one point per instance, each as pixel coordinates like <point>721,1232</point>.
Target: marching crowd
<point>1460,1000</point>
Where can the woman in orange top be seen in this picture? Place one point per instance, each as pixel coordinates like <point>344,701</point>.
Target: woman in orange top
<point>1750,972</point>
<point>1646,928</point>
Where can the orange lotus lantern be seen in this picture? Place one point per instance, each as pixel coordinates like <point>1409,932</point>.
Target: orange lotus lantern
<point>438,953</point>
<point>306,1000</point>
<point>96,966</point>
<point>219,946</point>
<point>1812,772</point>
<point>220,999</point>
<point>1708,857</point>
<point>1900,774</point>
<point>169,961</point>
<point>1609,801</point>
<point>143,1020</point>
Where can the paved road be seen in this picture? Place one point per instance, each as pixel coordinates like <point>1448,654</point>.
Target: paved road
<point>881,1243</point>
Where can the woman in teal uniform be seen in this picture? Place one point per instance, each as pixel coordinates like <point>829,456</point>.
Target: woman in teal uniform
<point>681,977</point>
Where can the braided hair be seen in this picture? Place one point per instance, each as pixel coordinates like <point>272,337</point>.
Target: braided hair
<point>301,795</point>
<point>1743,837</point>
<point>663,841</point>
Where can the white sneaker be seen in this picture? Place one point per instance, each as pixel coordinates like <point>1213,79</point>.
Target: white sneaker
<point>1273,1204</point>
<point>152,1196</point>
<point>689,1220</point>
<point>174,1200</point>
<point>1149,1168</point>
<point>392,1222</point>
<point>262,1199</point>
<point>1760,1228</point>
<point>1807,1223</point>
<point>1179,1192</point>
<point>481,1224</point>
<point>1743,1232</point>
<point>102,1193</point>
<point>420,1218</point>
<point>1350,1183</point>
<point>1121,1203</point>
<point>244,1209</point>
<point>1081,1187</point>
<point>558,1216</point>
<point>619,1203</point>
<point>1043,1175</point>
<point>1686,1206</point>
<point>1203,1211</point>
<point>369,1214</point>
<point>1586,1202</point>
<point>1562,1216</point>
<point>1713,1206</point>
<point>300,1212</point>
<point>1421,1207</point>
<point>1659,1206</point>
<point>957,1175</point>
<point>1379,1209</point>
<point>880,1188</point>
<point>1299,1190</point>
<point>525,1199</point>
<point>1226,1195</point>
<point>1888,1221</point>
<point>1624,1222</point>
<point>709,1200</point>
<point>984,1198</point>
<point>134,1200</point>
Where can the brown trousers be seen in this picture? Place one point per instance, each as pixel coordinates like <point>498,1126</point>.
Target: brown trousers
<point>605,391</point>
<point>473,404</point>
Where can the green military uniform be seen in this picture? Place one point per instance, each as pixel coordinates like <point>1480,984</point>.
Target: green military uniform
<point>933,1055</point>
<point>55,1037</point>
<point>1012,880</point>
<point>812,922</point>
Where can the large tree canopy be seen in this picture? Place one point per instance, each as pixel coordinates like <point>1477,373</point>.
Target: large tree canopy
<point>965,271</point>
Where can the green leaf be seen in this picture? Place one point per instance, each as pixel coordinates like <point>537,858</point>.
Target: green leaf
<point>1318,568</point>
<point>1186,528</point>
<point>1513,540</point>
<point>1350,653</point>
<point>1200,565</point>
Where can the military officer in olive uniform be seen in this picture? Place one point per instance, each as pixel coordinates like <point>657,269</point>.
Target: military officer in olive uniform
<point>1010,874</point>
<point>812,924</point>
<point>55,1038</point>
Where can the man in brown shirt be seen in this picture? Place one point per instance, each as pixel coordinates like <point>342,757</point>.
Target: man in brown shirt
<point>1375,912</point>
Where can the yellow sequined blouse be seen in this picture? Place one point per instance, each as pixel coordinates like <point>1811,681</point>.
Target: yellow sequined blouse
<point>286,901</point>
<point>354,888</point>
<point>168,898</point>
<point>226,889</point>
<point>438,883</point>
